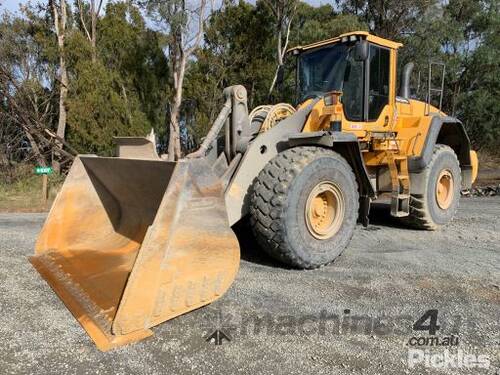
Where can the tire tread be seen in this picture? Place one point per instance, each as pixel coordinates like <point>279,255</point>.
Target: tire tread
<point>269,201</point>
<point>420,217</point>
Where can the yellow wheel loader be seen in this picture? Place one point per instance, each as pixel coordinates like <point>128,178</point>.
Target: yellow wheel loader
<point>132,241</point>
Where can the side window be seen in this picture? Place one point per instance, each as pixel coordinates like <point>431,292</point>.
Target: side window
<point>378,94</point>
<point>352,90</point>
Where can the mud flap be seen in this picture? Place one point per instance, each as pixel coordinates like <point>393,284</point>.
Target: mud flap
<point>131,243</point>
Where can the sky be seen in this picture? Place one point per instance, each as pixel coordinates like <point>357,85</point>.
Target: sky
<point>10,5</point>
<point>13,5</point>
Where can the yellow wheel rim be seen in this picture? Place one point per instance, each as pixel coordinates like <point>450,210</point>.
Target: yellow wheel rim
<point>444,189</point>
<point>324,211</point>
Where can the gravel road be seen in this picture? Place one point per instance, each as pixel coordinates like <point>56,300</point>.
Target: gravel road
<point>351,317</point>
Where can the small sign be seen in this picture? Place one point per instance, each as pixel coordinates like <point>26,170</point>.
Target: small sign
<point>43,170</point>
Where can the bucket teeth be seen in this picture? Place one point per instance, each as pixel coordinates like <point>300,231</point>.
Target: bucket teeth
<point>96,321</point>
<point>74,290</point>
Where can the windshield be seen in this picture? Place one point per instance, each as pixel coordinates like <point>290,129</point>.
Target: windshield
<point>321,71</point>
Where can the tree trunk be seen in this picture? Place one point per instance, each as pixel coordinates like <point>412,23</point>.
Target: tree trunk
<point>36,150</point>
<point>174,136</point>
<point>174,139</point>
<point>283,26</point>
<point>179,54</point>
<point>280,62</point>
<point>60,27</point>
<point>94,14</point>
<point>61,125</point>
<point>93,31</point>
<point>127,107</point>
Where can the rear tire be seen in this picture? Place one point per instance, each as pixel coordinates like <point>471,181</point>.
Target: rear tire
<point>304,206</point>
<point>442,182</point>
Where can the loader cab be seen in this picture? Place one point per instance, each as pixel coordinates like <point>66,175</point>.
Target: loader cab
<point>361,67</point>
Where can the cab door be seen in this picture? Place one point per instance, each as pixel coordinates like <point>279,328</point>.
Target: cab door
<point>367,96</point>
<point>378,110</point>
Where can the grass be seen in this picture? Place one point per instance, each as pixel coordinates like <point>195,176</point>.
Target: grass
<point>489,169</point>
<point>488,160</point>
<point>25,193</point>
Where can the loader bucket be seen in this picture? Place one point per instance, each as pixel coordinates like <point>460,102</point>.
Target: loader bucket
<point>131,243</point>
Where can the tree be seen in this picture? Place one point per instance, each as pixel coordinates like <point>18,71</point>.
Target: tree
<point>120,93</point>
<point>94,8</point>
<point>390,19</point>
<point>474,84</point>
<point>131,75</point>
<point>283,12</point>
<point>26,113</point>
<point>183,23</point>
<point>129,47</point>
<point>60,16</point>
<point>318,23</point>
<point>237,49</point>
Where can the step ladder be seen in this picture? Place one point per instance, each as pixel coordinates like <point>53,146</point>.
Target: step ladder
<point>400,180</point>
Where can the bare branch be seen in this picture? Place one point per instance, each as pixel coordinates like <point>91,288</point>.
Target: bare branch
<point>289,26</point>
<point>271,7</point>
<point>55,14</point>
<point>99,8</point>
<point>80,7</point>
<point>199,35</point>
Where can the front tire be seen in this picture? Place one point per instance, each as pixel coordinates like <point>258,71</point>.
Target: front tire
<point>304,206</point>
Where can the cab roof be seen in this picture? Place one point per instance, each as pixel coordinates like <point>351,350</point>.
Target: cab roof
<point>354,35</point>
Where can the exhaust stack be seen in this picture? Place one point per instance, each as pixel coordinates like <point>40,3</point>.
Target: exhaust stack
<point>404,90</point>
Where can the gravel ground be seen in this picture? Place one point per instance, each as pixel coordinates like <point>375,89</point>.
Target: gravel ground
<point>352,317</point>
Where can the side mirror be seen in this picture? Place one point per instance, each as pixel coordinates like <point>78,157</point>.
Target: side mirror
<point>361,50</point>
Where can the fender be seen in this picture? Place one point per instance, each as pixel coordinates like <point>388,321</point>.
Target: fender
<point>284,135</point>
<point>451,132</point>
<point>262,149</point>
<point>347,145</point>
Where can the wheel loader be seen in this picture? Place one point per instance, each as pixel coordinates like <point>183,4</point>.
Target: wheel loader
<point>134,240</point>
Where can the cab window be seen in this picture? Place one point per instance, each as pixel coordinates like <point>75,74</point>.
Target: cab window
<point>352,90</point>
<point>378,92</point>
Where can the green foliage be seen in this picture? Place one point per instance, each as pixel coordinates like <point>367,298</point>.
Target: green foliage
<point>319,23</point>
<point>465,36</point>
<point>126,88</point>
<point>237,50</point>
<point>124,91</point>
<point>99,108</point>
<point>479,99</point>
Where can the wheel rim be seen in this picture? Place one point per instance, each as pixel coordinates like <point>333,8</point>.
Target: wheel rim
<point>324,210</point>
<point>444,189</point>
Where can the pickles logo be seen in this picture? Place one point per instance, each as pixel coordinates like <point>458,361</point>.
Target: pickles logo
<point>449,357</point>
